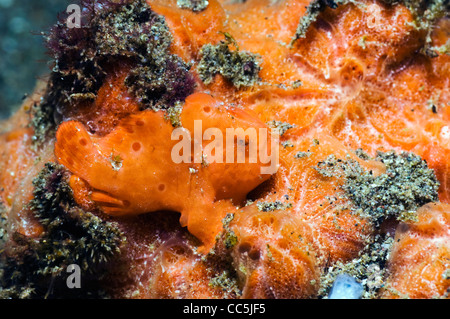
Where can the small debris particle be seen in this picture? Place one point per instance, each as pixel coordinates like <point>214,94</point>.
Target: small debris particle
<point>302,155</point>
<point>362,42</point>
<point>282,127</point>
<point>286,144</point>
<point>116,162</point>
<point>296,84</point>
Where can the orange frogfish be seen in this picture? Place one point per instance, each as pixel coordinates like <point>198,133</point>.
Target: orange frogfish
<point>141,166</point>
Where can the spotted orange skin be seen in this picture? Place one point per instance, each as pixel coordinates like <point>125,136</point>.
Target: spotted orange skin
<point>133,169</point>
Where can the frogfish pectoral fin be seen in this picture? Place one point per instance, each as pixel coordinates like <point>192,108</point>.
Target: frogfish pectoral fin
<point>90,199</point>
<point>206,222</point>
<point>109,204</point>
<point>81,193</point>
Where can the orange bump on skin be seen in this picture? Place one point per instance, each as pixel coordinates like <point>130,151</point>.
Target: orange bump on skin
<point>131,171</point>
<point>420,261</point>
<point>270,243</point>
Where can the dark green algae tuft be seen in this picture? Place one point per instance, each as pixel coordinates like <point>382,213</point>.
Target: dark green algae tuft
<point>194,5</point>
<point>123,32</point>
<point>239,67</point>
<point>368,268</point>
<point>407,184</point>
<point>70,236</point>
<point>425,13</point>
<point>313,10</point>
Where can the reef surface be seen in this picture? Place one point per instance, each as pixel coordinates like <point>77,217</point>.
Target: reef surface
<point>359,93</point>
